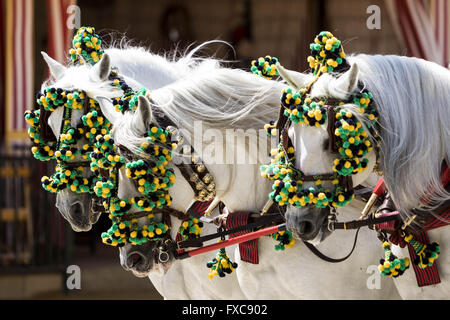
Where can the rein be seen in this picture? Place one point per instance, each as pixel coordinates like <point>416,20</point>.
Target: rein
<point>322,256</point>
<point>370,222</point>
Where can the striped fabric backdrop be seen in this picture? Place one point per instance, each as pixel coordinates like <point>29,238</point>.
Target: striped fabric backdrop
<point>59,35</point>
<point>424,27</point>
<point>19,65</point>
<point>19,57</point>
<point>2,70</point>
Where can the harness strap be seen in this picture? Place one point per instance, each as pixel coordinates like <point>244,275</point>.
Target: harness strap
<point>346,182</point>
<point>328,259</point>
<point>248,250</point>
<point>281,123</point>
<point>356,224</point>
<point>198,242</point>
<point>46,132</point>
<point>331,128</point>
<point>323,177</point>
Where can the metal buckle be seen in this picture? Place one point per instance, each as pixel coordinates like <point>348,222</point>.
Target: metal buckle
<point>332,219</point>
<point>163,251</point>
<point>163,256</point>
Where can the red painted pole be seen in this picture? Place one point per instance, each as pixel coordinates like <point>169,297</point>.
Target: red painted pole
<point>229,242</point>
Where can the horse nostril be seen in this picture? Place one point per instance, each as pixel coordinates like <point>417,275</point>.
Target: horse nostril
<point>305,227</point>
<point>134,259</point>
<point>77,209</point>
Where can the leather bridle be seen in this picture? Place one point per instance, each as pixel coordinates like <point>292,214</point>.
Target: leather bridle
<point>283,124</point>
<point>346,182</point>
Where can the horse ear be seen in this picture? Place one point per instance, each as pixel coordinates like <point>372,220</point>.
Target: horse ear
<point>295,79</point>
<point>143,115</point>
<point>108,109</point>
<point>102,68</point>
<point>346,83</point>
<point>57,70</point>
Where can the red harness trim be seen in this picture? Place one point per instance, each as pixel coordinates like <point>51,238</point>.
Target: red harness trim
<point>429,275</point>
<point>198,208</point>
<point>249,249</point>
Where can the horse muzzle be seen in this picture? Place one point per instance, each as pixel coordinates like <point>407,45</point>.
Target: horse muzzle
<point>308,223</point>
<point>77,209</point>
<point>137,259</point>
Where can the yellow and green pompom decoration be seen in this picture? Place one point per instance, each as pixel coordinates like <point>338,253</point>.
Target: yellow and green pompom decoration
<point>52,98</point>
<point>284,238</point>
<point>190,229</point>
<point>129,99</point>
<point>42,150</point>
<point>265,67</point>
<point>391,266</point>
<point>65,177</point>
<point>86,46</point>
<point>426,254</point>
<point>288,184</point>
<point>271,128</point>
<point>327,54</point>
<point>221,265</point>
<point>123,232</point>
<point>352,141</point>
<point>103,188</point>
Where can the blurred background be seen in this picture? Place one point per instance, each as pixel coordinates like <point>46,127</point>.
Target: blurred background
<point>36,244</point>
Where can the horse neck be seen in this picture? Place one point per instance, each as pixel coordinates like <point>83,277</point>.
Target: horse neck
<point>239,184</point>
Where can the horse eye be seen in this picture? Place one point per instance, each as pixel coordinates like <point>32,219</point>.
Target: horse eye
<point>326,142</point>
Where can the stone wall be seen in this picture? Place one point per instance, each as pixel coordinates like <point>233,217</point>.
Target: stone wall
<point>282,28</point>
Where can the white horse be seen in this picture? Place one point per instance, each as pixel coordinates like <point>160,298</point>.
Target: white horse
<point>222,99</point>
<point>76,207</point>
<point>139,68</point>
<point>411,96</point>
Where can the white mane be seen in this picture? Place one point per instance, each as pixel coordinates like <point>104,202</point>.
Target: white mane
<point>222,98</point>
<point>144,67</point>
<point>138,62</point>
<point>412,97</point>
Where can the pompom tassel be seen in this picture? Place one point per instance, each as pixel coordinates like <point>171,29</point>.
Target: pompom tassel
<point>426,254</point>
<point>221,265</point>
<point>391,266</point>
<point>190,229</point>
<point>265,67</point>
<point>285,240</point>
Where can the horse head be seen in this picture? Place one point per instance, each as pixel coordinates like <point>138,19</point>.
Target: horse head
<point>317,164</point>
<point>145,237</point>
<point>82,210</point>
<point>85,81</point>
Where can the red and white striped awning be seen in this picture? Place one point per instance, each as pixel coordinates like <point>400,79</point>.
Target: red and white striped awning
<point>60,35</point>
<point>424,27</point>
<point>19,55</point>
<point>19,65</point>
